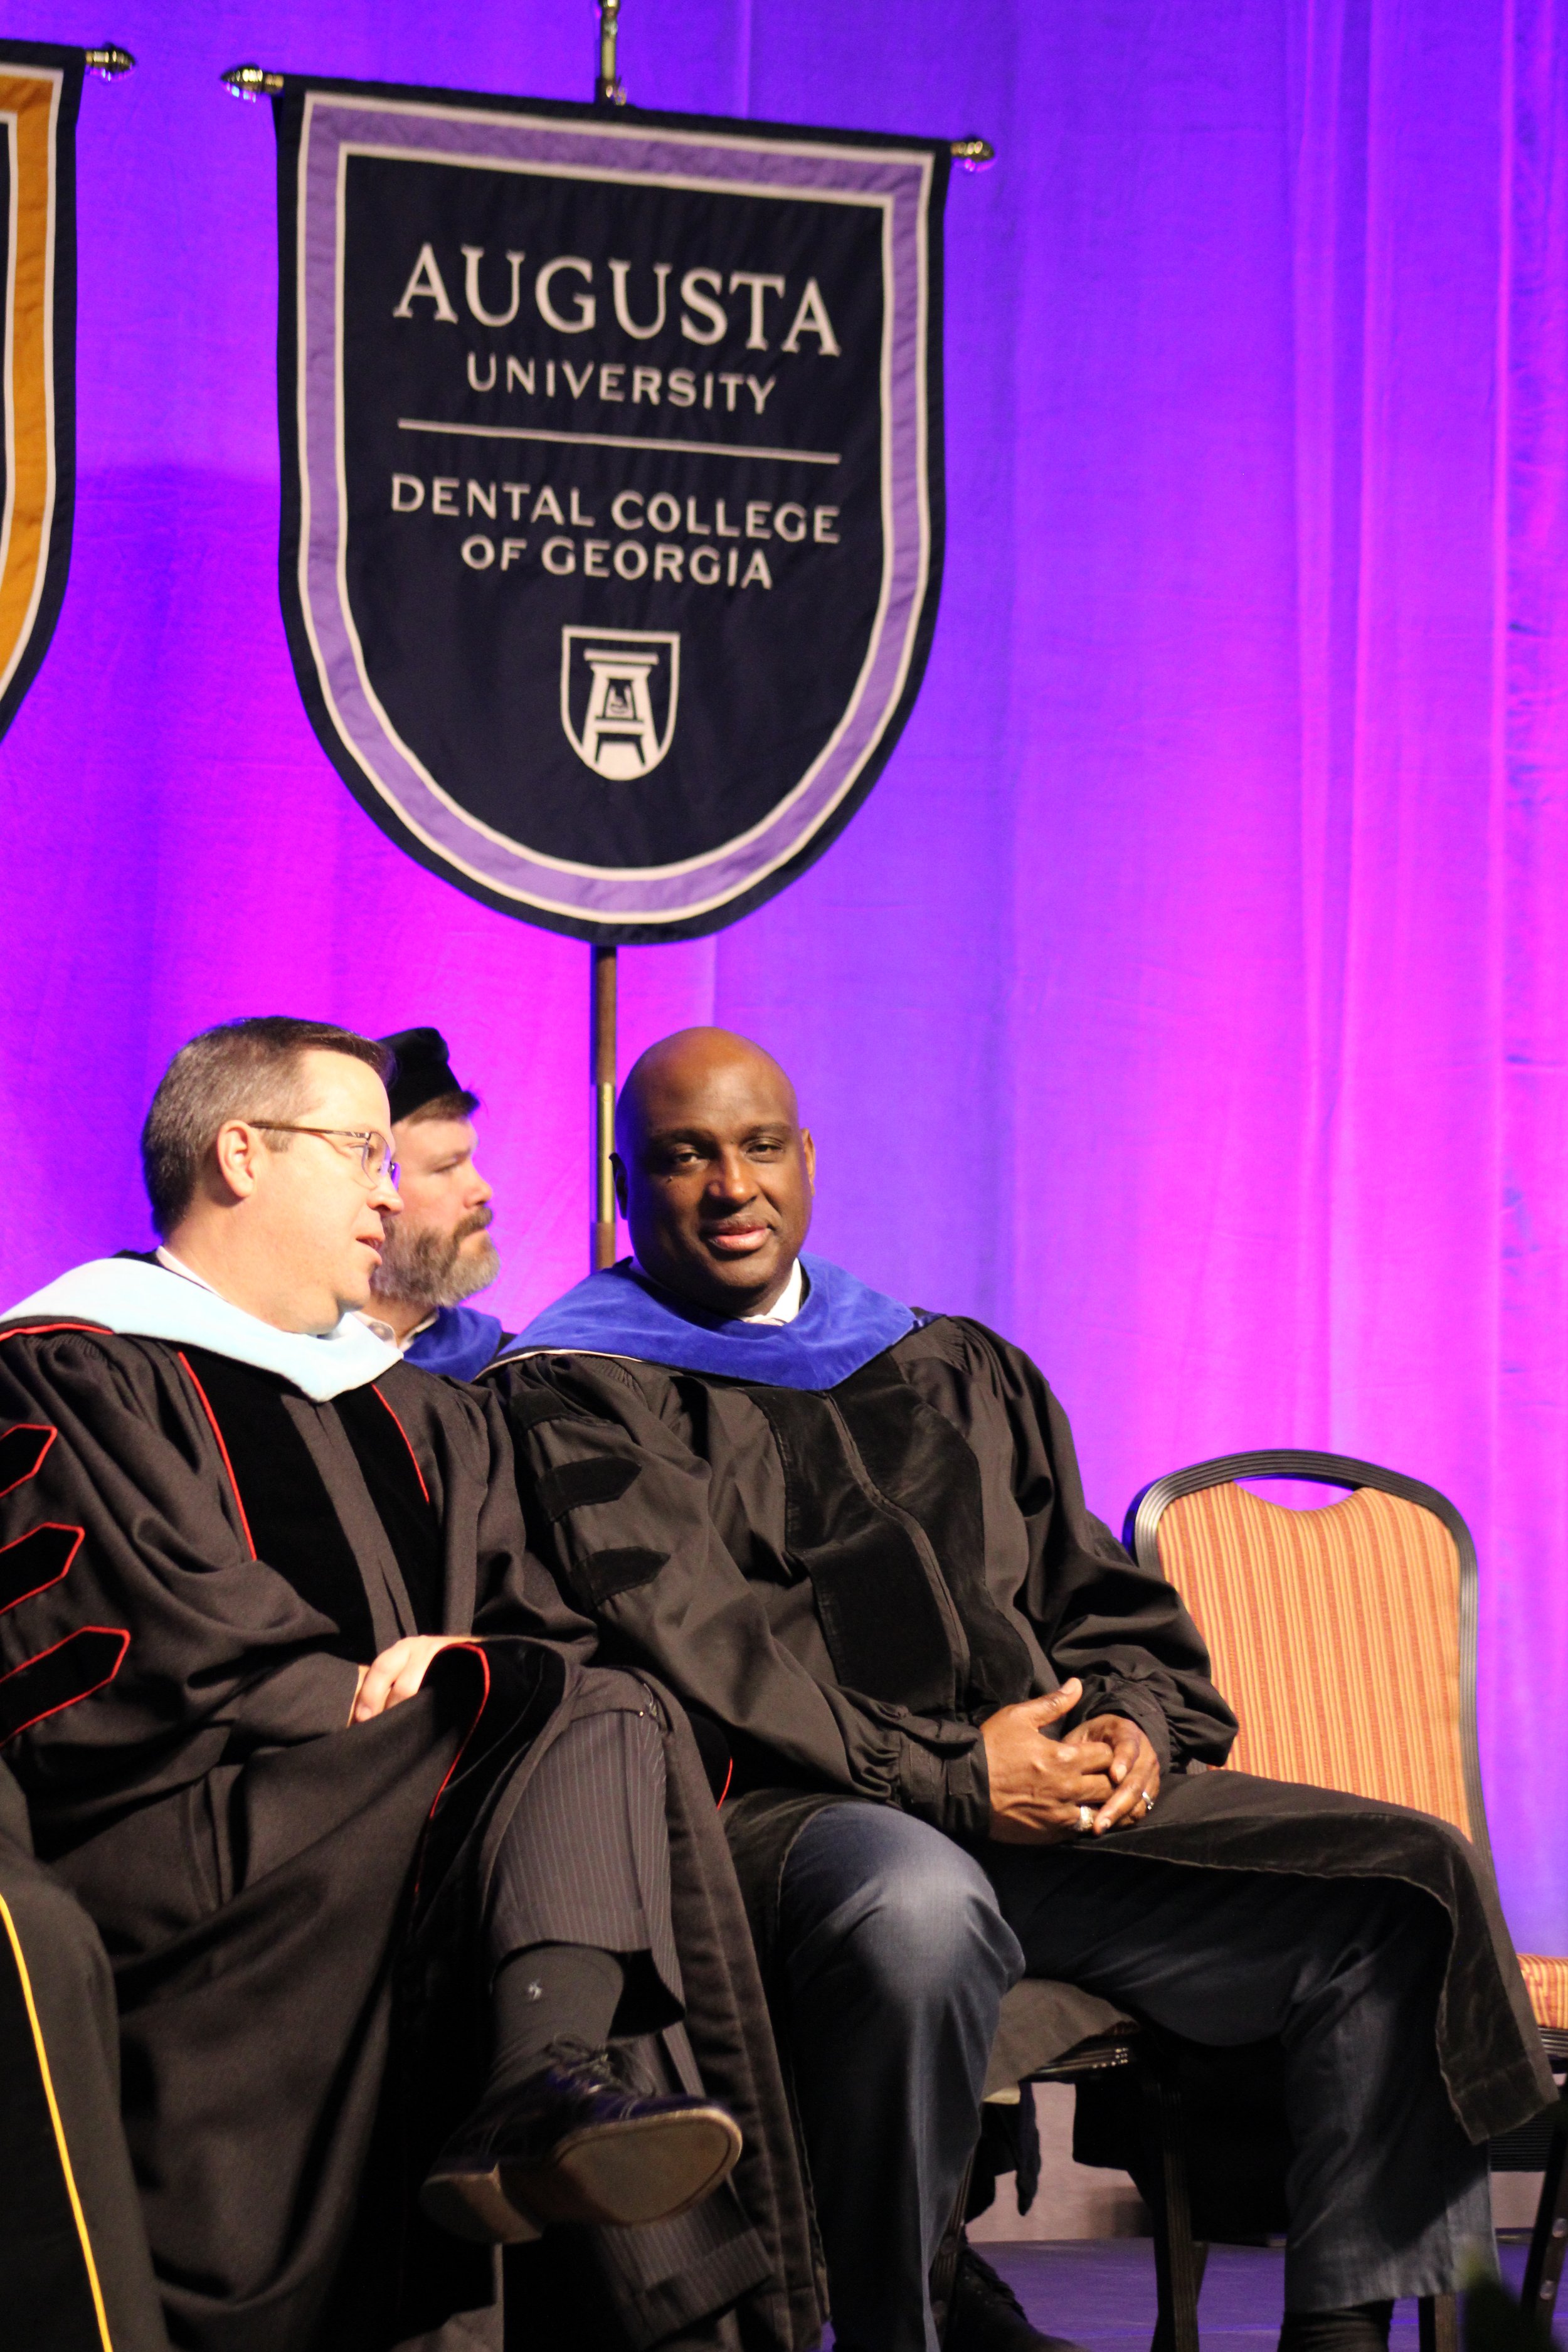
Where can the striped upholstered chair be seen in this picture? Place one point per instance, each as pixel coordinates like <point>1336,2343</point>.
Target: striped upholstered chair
<point>1379,1590</point>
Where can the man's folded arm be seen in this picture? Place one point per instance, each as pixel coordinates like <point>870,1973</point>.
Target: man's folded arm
<point>618,1504</point>
<point>1122,1631</point>
<point>132,1612</point>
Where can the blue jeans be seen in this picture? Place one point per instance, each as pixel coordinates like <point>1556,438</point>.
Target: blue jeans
<point>896,1946</point>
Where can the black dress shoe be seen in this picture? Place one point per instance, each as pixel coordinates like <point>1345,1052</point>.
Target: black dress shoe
<point>574,2144</point>
<point>1356,2328</point>
<point>985,2315</point>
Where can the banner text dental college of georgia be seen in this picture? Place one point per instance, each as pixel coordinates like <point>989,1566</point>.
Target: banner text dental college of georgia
<point>612,490</point>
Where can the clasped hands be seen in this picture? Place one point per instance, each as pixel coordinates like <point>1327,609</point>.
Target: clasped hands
<point>1039,1785</point>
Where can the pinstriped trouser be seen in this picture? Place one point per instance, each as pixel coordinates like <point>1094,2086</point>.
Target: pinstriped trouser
<point>585,1859</point>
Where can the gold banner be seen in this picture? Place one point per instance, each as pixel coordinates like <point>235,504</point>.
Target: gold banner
<point>40,90</point>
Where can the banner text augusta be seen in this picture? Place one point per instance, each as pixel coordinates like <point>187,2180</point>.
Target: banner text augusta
<point>612,487</point>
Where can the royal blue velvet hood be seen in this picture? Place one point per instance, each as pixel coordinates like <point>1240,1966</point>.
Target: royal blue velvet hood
<point>842,1325</point>
<point>460,1342</point>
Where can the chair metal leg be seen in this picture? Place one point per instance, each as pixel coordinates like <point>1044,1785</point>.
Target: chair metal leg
<point>1437,2317</point>
<point>1548,2239</point>
<point>1179,2259</point>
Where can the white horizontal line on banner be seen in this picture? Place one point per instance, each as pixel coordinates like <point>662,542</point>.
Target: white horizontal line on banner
<point>619,441</point>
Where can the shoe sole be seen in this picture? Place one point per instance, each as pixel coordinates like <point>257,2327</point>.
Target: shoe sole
<point>623,2174</point>
<point>648,2169</point>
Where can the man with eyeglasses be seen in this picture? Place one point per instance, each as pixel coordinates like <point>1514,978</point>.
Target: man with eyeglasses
<point>420,1924</point>
<point>438,1253</point>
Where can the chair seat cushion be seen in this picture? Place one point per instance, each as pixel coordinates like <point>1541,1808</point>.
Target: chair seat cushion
<point>1041,2019</point>
<point>1547,1984</point>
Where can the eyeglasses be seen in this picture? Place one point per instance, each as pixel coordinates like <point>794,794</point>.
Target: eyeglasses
<point>374,1152</point>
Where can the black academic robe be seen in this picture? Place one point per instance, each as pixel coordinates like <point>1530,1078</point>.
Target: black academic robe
<point>72,2242</point>
<point>195,1560</point>
<point>841,1585</point>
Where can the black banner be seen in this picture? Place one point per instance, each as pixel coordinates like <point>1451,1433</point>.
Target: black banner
<point>612,496</point>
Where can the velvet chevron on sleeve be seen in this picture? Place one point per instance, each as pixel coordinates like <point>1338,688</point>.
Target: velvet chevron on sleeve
<point>1092,1611</point>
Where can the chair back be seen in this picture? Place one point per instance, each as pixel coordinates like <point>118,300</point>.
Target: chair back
<point>1325,1627</point>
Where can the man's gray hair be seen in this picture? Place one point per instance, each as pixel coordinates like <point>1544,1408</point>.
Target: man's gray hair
<point>244,1069</point>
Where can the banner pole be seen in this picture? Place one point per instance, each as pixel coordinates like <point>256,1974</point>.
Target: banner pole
<point>602,1060</point>
<point>608,88</point>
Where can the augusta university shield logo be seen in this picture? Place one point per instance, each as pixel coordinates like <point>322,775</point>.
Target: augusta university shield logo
<point>619,689</point>
<point>612,514</point>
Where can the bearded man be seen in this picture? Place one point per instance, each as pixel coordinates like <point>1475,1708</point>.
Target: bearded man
<point>439,1251</point>
<point>853,1538</point>
<point>417,1918</point>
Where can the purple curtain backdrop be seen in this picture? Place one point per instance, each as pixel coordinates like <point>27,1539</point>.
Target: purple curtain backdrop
<point>1191,999</point>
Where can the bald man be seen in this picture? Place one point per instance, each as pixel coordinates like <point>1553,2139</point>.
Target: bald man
<point>852,1536</point>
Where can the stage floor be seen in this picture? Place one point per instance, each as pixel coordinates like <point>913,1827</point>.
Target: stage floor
<point>1100,2293</point>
